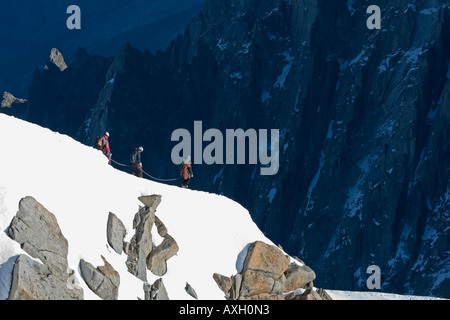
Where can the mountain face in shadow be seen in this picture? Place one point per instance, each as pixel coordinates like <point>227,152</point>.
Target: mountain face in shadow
<point>30,29</point>
<point>363,119</point>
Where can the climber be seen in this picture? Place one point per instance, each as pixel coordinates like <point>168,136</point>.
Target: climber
<point>105,146</point>
<point>135,160</point>
<point>186,172</point>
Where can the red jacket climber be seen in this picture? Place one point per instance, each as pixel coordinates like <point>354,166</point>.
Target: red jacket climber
<point>105,146</point>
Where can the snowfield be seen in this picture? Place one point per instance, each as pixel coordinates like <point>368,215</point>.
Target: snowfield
<point>76,184</point>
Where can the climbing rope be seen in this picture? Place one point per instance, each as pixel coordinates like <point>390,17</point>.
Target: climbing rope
<point>162,180</point>
<point>120,164</point>
<point>150,176</point>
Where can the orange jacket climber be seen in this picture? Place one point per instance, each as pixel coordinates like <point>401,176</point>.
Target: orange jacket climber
<point>186,172</point>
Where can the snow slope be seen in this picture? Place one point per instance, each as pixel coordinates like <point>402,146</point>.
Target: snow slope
<point>76,184</point>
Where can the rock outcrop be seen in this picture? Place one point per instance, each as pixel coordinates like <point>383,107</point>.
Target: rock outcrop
<point>57,59</point>
<point>36,281</point>
<point>152,201</point>
<point>268,274</point>
<point>115,233</point>
<point>298,276</point>
<point>142,253</point>
<point>104,281</point>
<point>140,245</point>
<point>263,272</point>
<point>157,259</point>
<point>156,291</point>
<point>9,100</point>
<point>309,293</point>
<point>190,291</point>
<point>13,106</point>
<point>38,233</point>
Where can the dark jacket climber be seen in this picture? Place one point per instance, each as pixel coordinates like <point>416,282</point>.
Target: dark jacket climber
<point>135,160</point>
<point>186,172</point>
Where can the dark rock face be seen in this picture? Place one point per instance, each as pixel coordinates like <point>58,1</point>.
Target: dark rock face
<point>78,85</point>
<point>363,117</point>
<point>30,29</point>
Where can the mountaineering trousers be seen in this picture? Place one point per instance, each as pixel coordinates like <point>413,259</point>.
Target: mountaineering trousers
<point>137,167</point>
<point>186,174</point>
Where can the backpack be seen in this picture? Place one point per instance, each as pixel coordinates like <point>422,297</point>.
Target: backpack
<point>182,169</point>
<point>98,144</point>
<point>133,157</point>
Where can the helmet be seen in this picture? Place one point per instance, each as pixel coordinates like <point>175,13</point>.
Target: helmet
<point>107,133</point>
<point>141,149</point>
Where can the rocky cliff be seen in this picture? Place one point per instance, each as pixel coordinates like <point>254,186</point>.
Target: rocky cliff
<point>47,276</point>
<point>30,29</point>
<point>61,94</point>
<point>363,117</point>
